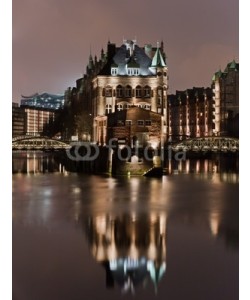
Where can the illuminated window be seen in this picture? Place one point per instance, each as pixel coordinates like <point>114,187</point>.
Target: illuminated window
<point>147,122</point>
<point>119,91</point>
<point>126,106</point>
<point>119,107</point>
<point>114,71</point>
<point>108,92</point>
<point>138,91</point>
<point>128,91</point>
<point>133,71</point>
<point>147,91</point>
<point>108,109</point>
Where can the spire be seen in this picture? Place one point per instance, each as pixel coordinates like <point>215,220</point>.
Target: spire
<point>158,60</point>
<point>91,63</point>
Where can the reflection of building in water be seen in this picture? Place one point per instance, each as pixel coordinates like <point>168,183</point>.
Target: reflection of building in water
<point>131,249</point>
<point>219,170</point>
<point>32,162</point>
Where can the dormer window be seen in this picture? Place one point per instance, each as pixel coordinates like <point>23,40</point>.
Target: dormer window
<point>114,71</point>
<point>133,71</point>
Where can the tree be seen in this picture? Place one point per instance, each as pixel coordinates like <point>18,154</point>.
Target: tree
<point>84,125</point>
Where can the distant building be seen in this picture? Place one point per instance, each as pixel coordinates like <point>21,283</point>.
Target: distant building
<point>30,120</point>
<point>191,113</point>
<point>124,77</point>
<point>226,100</point>
<point>18,120</point>
<point>36,120</point>
<point>43,100</point>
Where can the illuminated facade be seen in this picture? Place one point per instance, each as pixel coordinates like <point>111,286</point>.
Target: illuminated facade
<point>43,100</point>
<point>191,113</point>
<point>124,77</point>
<point>226,100</point>
<point>137,127</point>
<point>36,120</point>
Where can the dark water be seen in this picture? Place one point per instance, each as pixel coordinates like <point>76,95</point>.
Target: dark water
<point>95,237</point>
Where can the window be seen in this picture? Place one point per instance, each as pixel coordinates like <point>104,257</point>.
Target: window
<point>147,91</point>
<point>140,123</point>
<point>119,91</point>
<point>128,122</point>
<point>133,71</point>
<point>126,106</point>
<point>108,92</point>
<point>147,122</point>
<point>128,91</point>
<point>119,107</point>
<point>114,71</point>
<point>138,91</point>
<point>108,109</point>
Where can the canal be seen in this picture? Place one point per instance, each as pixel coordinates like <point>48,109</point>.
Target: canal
<point>78,236</point>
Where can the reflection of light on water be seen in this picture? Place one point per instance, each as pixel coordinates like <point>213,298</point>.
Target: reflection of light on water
<point>47,192</point>
<point>134,183</point>
<point>133,216</point>
<point>187,166</point>
<point>163,222</point>
<point>214,223</point>
<point>218,178</point>
<point>111,183</point>
<point>76,190</point>
<point>206,166</point>
<point>77,209</point>
<point>131,248</point>
<point>153,218</point>
<point>180,166</point>
<point>198,166</point>
<point>169,166</point>
<point>101,224</point>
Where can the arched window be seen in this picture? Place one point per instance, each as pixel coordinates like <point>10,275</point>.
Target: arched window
<point>147,91</point>
<point>138,91</point>
<point>126,106</point>
<point>119,91</point>
<point>128,91</point>
<point>108,91</point>
<point>108,109</point>
<point>119,107</point>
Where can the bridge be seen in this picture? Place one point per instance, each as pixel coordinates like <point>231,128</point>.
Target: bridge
<point>206,144</point>
<point>38,143</point>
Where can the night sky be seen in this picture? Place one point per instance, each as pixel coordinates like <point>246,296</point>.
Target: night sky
<point>52,38</point>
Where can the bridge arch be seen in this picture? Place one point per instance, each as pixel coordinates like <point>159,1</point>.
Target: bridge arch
<point>205,144</point>
<point>38,143</point>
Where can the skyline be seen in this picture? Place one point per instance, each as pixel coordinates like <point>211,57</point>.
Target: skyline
<point>51,48</point>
